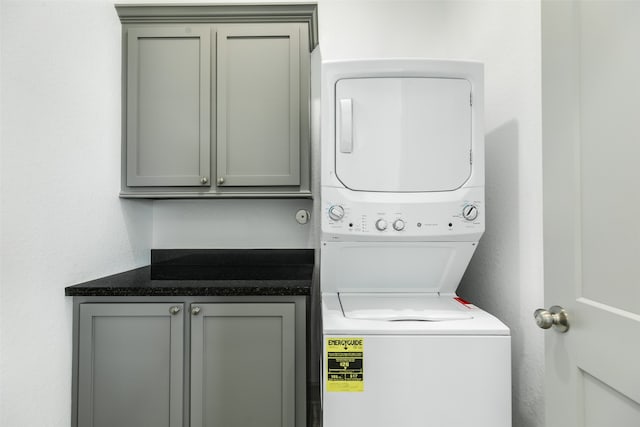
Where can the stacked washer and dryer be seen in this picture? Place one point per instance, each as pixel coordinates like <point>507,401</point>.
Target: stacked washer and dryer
<point>402,195</point>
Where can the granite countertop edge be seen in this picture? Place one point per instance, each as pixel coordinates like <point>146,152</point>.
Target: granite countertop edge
<point>139,282</point>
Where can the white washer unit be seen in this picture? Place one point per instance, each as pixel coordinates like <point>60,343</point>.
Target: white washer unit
<point>402,195</point>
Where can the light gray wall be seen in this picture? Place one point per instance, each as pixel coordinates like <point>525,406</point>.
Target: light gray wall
<point>257,224</point>
<point>62,221</point>
<point>1,215</point>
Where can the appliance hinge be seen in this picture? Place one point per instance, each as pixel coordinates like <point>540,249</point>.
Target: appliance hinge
<point>470,157</point>
<point>470,99</point>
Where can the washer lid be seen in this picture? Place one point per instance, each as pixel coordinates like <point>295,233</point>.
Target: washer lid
<point>399,307</point>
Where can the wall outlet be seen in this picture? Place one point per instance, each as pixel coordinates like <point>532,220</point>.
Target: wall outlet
<point>302,216</point>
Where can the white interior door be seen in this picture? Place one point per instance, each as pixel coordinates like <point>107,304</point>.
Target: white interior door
<point>591,146</point>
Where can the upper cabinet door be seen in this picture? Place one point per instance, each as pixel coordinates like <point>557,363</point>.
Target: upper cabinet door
<point>168,106</point>
<point>403,134</point>
<point>258,105</point>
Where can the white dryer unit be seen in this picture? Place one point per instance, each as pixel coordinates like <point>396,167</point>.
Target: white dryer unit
<point>402,193</point>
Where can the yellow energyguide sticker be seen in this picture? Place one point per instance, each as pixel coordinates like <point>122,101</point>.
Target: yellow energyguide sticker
<point>345,364</point>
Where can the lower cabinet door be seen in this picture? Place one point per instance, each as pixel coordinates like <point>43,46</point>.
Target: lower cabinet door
<point>130,365</point>
<point>243,365</point>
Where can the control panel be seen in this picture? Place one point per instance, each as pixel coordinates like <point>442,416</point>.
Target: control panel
<point>446,219</point>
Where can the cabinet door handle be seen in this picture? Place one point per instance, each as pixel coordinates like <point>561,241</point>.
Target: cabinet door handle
<point>174,309</point>
<point>220,180</point>
<point>195,310</point>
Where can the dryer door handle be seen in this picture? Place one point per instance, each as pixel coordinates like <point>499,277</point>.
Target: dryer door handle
<point>346,126</point>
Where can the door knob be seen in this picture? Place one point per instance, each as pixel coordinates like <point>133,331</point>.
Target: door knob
<point>556,316</point>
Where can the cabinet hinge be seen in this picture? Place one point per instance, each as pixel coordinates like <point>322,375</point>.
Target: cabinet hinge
<point>470,157</point>
<point>471,100</point>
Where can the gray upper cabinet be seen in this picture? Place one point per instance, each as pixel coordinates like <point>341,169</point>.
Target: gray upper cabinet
<point>168,106</point>
<point>216,100</point>
<point>258,105</point>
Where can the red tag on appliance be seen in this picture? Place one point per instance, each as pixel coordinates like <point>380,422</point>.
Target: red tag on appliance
<point>463,302</point>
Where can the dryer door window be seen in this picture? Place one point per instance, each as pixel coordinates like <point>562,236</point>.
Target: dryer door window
<point>403,134</point>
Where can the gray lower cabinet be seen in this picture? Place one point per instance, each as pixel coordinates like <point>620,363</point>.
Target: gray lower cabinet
<point>190,363</point>
<point>216,100</point>
<point>130,365</point>
<point>243,365</point>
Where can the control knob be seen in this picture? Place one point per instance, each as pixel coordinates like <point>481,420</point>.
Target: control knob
<point>336,212</point>
<point>470,212</point>
<point>398,225</point>
<point>381,224</point>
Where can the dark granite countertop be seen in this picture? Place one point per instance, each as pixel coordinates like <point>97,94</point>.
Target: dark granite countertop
<point>210,272</point>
